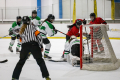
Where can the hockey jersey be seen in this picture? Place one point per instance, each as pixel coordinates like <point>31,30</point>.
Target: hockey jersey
<point>47,29</point>
<point>68,45</point>
<point>36,21</point>
<point>74,30</point>
<point>96,30</point>
<point>15,27</point>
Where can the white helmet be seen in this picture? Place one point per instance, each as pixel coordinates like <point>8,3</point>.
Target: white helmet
<point>73,37</point>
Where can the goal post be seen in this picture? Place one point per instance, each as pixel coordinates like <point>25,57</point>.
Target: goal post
<point>97,53</point>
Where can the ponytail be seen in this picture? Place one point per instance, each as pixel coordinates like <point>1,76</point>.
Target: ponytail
<point>23,28</point>
<point>44,21</point>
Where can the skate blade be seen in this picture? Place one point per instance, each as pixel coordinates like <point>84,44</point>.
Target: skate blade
<point>47,59</point>
<point>17,52</point>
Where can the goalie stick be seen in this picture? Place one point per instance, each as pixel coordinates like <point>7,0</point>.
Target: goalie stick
<point>3,61</point>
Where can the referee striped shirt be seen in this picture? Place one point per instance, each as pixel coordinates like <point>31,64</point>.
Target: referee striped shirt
<point>31,34</point>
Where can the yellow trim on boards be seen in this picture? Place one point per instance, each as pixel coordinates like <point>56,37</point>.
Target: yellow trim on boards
<point>64,38</point>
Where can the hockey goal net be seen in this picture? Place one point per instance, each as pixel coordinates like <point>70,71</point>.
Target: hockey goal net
<point>96,52</point>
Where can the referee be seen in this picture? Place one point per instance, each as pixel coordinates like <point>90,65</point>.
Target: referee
<point>31,42</point>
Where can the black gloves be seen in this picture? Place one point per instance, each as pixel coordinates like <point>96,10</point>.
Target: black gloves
<point>84,22</point>
<point>55,31</point>
<point>11,32</point>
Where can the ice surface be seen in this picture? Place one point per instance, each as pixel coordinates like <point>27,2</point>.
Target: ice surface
<point>57,70</point>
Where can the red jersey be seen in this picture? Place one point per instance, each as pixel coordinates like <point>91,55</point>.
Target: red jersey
<point>97,20</point>
<point>74,30</point>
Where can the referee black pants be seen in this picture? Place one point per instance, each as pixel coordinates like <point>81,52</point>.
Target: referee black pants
<point>34,48</point>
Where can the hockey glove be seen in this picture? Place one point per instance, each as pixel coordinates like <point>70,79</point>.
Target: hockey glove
<point>55,31</point>
<point>84,22</point>
<point>11,32</point>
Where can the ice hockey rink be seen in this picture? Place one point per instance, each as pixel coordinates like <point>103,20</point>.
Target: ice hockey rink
<point>64,13</point>
<point>57,70</point>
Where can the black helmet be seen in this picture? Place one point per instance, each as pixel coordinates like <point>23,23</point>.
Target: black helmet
<point>78,22</point>
<point>18,17</point>
<point>92,14</point>
<point>34,12</point>
<point>26,20</point>
<point>50,16</point>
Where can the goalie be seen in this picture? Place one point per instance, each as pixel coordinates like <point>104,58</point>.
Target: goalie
<point>72,50</point>
<point>97,33</point>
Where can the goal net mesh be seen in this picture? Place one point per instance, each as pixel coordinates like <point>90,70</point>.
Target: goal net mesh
<point>96,52</point>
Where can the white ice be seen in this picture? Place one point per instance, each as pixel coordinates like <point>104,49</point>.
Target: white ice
<point>58,70</point>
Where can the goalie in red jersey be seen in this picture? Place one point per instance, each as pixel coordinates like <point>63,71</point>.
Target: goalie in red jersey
<point>97,33</point>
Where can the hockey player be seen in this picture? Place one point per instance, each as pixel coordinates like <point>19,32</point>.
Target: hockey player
<point>74,29</point>
<point>97,34</point>
<point>72,49</point>
<point>14,33</point>
<point>47,28</point>
<point>35,19</point>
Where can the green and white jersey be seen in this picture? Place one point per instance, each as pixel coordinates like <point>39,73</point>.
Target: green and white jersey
<point>68,45</point>
<point>36,21</point>
<point>46,29</point>
<point>14,27</point>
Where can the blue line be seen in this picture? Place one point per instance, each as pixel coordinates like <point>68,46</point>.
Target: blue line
<point>39,8</point>
<point>60,9</point>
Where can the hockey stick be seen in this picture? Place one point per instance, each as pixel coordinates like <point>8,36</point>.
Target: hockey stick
<point>3,61</point>
<point>4,36</point>
<point>57,60</point>
<point>61,32</point>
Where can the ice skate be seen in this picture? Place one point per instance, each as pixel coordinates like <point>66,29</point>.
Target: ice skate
<point>14,79</point>
<point>17,50</point>
<point>48,78</point>
<point>47,57</point>
<point>10,49</point>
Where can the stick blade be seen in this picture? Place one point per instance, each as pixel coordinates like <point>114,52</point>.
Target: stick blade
<point>4,61</point>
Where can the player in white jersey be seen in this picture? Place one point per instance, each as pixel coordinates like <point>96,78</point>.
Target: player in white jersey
<point>72,50</point>
<point>14,33</point>
<point>35,19</point>
<point>47,28</point>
